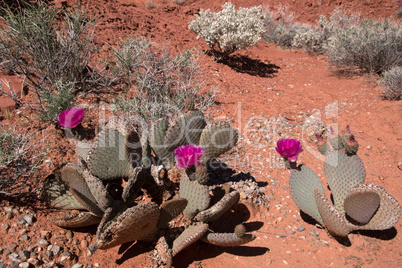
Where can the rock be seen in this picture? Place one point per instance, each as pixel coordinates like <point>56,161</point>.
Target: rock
<point>25,238</point>
<point>12,231</point>
<point>70,234</point>
<point>45,234</point>
<point>25,265</point>
<point>43,242</point>
<point>34,261</point>
<point>29,219</point>
<point>92,248</point>
<point>56,250</point>
<point>24,254</point>
<point>77,265</point>
<point>5,227</point>
<point>10,215</point>
<point>84,244</point>
<point>300,229</point>
<point>21,221</point>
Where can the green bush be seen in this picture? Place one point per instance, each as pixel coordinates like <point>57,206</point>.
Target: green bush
<point>372,46</point>
<point>316,39</point>
<point>229,30</point>
<point>281,28</point>
<point>45,47</point>
<point>161,81</point>
<point>392,83</point>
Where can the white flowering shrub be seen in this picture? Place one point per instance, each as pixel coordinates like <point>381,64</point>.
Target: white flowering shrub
<point>229,30</point>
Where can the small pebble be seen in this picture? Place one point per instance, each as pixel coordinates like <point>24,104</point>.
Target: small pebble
<point>10,215</point>
<point>77,265</point>
<point>5,226</point>
<point>271,197</point>
<point>70,234</point>
<point>84,244</point>
<point>24,265</point>
<point>24,254</point>
<point>29,219</point>
<point>43,242</point>
<point>21,221</point>
<point>300,229</point>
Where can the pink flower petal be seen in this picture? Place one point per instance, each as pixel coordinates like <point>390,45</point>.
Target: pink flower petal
<point>188,155</point>
<point>71,117</point>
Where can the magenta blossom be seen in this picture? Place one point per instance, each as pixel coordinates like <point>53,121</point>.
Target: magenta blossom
<point>71,117</point>
<point>289,148</point>
<point>188,155</point>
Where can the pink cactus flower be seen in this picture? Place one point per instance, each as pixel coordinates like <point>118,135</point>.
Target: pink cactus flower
<point>289,148</point>
<point>71,117</point>
<point>188,155</point>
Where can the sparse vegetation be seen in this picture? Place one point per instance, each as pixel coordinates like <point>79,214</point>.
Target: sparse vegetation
<point>349,41</point>
<point>281,28</point>
<point>392,83</point>
<point>162,80</point>
<point>372,46</point>
<point>229,30</point>
<point>46,48</point>
<point>20,158</point>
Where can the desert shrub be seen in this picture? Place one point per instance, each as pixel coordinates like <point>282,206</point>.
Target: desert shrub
<point>161,81</point>
<point>392,83</point>
<point>179,2</point>
<point>316,39</point>
<point>229,30</point>
<point>20,158</point>
<point>373,46</point>
<point>399,12</point>
<point>281,28</point>
<point>44,47</point>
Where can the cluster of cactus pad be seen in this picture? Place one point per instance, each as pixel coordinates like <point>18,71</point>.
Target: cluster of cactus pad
<point>357,206</point>
<point>126,153</point>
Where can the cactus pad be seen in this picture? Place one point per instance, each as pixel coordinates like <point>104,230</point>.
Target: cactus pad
<point>227,239</point>
<point>217,210</point>
<point>388,212</point>
<point>188,237</point>
<point>196,194</point>
<point>333,220</point>
<point>75,219</point>
<point>170,210</point>
<point>110,159</point>
<point>302,184</point>
<point>217,138</point>
<point>343,172</point>
<point>185,129</point>
<point>98,190</point>
<point>135,223</point>
<point>56,193</point>
<point>361,206</point>
<point>156,141</point>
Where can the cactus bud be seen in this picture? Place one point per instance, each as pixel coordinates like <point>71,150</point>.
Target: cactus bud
<point>335,140</point>
<point>201,174</point>
<point>240,230</point>
<point>347,134</point>
<point>351,145</point>
<point>322,145</point>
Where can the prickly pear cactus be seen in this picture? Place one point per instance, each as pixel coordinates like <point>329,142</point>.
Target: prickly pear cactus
<point>357,206</point>
<point>190,127</point>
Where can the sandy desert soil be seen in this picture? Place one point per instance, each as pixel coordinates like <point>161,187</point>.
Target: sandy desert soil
<point>268,93</point>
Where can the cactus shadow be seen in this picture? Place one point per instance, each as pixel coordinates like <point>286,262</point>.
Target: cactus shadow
<point>387,234</point>
<point>202,251</point>
<point>131,250</point>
